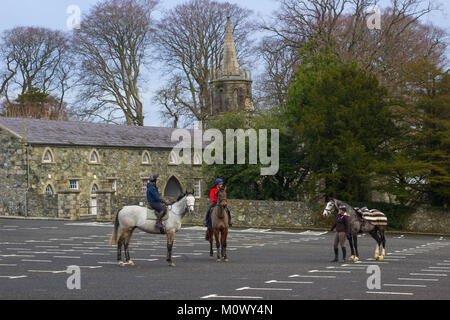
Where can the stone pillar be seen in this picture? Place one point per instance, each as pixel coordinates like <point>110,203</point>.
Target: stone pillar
<point>69,204</point>
<point>104,198</point>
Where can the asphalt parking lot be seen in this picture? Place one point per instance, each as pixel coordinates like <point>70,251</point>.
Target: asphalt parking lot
<point>264,265</point>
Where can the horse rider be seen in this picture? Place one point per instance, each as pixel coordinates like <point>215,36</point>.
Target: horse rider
<point>155,201</point>
<point>218,183</point>
<point>342,226</point>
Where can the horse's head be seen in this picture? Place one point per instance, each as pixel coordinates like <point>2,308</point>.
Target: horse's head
<point>329,208</point>
<point>222,197</point>
<point>190,201</point>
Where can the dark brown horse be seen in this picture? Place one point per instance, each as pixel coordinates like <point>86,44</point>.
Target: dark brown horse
<point>219,223</point>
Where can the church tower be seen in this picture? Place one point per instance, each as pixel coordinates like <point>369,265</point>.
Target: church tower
<point>230,86</point>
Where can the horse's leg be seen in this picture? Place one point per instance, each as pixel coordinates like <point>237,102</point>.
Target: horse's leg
<point>216,236</point>
<point>170,240</point>
<point>374,235</point>
<point>126,244</point>
<point>120,243</point>
<point>350,241</point>
<point>383,243</point>
<point>224,244</point>
<point>355,243</point>
<point>211,239</point>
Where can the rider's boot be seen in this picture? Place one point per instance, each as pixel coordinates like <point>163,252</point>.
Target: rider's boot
<point>336,252</point>
<point>159,224</point>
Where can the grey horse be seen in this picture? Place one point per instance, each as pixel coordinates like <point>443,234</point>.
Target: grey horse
<point>358,225</point>
<point>131,217</point>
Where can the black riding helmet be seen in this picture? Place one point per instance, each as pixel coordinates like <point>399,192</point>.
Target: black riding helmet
<point>154,177</point>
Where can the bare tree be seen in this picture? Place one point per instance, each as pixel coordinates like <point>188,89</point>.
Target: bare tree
<point>36,58</point>
<point>112,44</point>
<point>189,41</point>
<point>341,26</point>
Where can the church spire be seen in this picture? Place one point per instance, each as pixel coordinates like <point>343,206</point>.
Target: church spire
<point>230,65</point>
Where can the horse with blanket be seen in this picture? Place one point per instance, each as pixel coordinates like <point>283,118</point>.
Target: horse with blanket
<point>373,222</point>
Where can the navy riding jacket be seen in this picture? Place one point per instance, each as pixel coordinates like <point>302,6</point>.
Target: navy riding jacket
<point>153,194</point>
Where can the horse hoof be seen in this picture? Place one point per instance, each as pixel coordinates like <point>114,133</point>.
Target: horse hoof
<point>226,260</point>
<point>380,258</point>
<point>121,264</point>
<point>171,264</point>
<point>352,258</point>
<point>355,259</point>
<point>218,260</point>
<point>131,263</point>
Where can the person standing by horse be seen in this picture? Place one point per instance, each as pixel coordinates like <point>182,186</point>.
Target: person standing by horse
<point>342,226</point>
<point>218,183</point>
<point>155,201</point>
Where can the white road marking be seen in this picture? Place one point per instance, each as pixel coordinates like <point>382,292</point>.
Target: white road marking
<point>391,293</point>
<point>264,289</point>
<point>294,282</point>
<point>30,260</point>
<point>435,270</point>
<point>66,257</point>
<point>428,274</point>
<point>8,265</point>
<point>417,279</point>
<point>150,260</point>
<point>48,271</point>
<point>229,297</point>
<point>13,277</point>
<point>333,271</point>
<point>302,276</point>
<point>404,285</point>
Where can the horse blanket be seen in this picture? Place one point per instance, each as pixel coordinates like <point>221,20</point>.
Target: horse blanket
<point>375,217</point>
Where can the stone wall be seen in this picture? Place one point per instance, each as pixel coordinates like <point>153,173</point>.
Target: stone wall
<point>428,219</point>
<point>245,213</point>
<point>13,168</point>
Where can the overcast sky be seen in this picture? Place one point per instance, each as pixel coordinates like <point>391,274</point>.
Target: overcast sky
<point>53,14</point>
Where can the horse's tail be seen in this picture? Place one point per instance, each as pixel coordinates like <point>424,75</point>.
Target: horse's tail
<point>113,239</point>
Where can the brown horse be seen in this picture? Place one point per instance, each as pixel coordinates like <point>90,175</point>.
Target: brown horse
<point>219,222</point>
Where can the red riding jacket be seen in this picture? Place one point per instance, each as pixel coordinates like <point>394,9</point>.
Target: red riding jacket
<point>213,194</point>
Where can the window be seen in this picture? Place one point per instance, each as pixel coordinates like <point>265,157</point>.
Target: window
<point>94,190</point>
<point>197,188</point>
<point>144,187</point>
<point>113,183</point>
<point>145,158</point>
<point>73,185</point>
<point>94,158</point>
<point>49,190</point>
<point>48,156</point>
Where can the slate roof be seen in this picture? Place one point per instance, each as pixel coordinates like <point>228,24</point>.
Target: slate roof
<point>50,132</point>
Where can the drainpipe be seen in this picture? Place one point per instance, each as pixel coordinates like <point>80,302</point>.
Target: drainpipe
<point>28,183</point>
<point>25,143</point>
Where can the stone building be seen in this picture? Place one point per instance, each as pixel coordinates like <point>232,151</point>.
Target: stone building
<point>230,85</point>
<point>59,168</point>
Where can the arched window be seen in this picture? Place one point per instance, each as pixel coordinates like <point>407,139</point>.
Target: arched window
<point>173,188</point>
<point>48,156</point>
<point>93,157</point>
<point>49,190</point>
<point>94,189</point>
<point>146,158</point>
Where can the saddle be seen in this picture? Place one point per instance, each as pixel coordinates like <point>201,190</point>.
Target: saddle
<point>152,216</point>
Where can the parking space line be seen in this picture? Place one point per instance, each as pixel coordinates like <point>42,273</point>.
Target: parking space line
<point>391,293</point>
<point>308,276</point>
<point>404,285</point>
<point>417,279</point>
<point>264,289</point>
<point>229,297</point>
